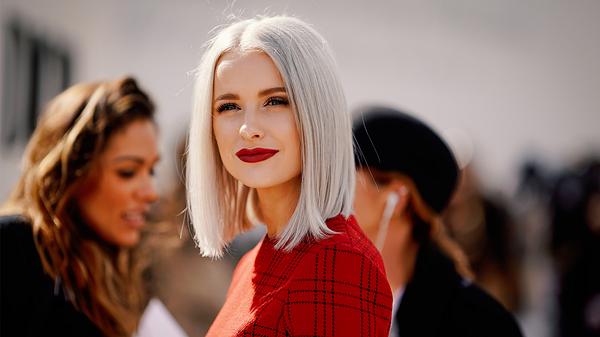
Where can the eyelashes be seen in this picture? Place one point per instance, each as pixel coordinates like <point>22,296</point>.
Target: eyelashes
<point>227,107</point>
<point>271,101</point>
<point>277,101</point>
<point>127,174</point>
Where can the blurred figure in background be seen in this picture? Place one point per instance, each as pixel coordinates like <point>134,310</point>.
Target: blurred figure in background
<point>191,286</point>
<point>529,206</point>
<point>483,227</point>
<point>70,260</point>
<point>405,179</point>
<point>575,246</point>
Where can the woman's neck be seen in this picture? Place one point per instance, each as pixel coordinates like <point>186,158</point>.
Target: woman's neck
<point>399,253</point>
<point>277,204</point>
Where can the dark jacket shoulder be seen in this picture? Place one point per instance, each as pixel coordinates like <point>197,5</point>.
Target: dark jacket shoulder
<point>18,254</point>
<point>481,314</point>
<point>438,302</point>
<point>13,230</point>
<point>31,304</point>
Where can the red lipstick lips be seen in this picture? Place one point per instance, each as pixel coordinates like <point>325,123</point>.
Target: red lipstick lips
<point>255,155</point>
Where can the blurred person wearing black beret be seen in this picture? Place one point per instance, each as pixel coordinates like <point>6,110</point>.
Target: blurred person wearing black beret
<point>406,175</point>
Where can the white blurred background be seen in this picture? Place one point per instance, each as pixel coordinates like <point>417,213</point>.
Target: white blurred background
<point>515,77</point>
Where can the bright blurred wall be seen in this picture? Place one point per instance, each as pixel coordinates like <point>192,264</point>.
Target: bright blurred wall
<point>517,77</point>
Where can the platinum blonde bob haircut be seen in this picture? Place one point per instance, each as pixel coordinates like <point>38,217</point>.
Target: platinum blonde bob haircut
<point>218,204</point>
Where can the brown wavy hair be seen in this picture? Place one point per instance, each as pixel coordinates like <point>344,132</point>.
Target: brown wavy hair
<point>101,280</point>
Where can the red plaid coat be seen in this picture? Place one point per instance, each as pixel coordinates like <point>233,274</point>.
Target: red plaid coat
<point>333,287</point>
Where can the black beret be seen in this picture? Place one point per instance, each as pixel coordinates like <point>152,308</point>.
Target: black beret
<point>390,140</point>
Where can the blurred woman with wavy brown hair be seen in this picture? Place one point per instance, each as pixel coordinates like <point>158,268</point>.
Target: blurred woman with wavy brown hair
<point>70,264</point>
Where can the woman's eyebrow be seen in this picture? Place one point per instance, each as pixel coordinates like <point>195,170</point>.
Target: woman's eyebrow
<point>136,159</point>
<point>227,96</point>
<point>271,91</point>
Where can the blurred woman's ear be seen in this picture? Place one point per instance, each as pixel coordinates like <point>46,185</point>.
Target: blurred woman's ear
<point>395,205</point>
<point>403,195</point>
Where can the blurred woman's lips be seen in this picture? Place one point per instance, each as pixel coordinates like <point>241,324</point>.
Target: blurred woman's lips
<point>134,219</point>
<point>256,154</point>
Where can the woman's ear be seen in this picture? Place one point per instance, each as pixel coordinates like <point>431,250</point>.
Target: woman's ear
<point>395,204</point>
<point>403,196</point>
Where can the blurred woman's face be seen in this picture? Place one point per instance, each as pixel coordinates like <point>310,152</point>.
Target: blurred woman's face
<point>116,197</point>
<point>253,122</point>
<point>373,189</point>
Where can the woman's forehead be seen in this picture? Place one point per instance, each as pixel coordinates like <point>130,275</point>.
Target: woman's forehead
<point>237,61</point>
<point>138,138</point>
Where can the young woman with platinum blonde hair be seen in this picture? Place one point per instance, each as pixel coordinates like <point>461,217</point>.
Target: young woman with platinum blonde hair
<point>271,142</point>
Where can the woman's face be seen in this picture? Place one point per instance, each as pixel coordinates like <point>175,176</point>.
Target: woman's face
<point>117,195</point>
<point>253,122</point>
<point>373,189</point>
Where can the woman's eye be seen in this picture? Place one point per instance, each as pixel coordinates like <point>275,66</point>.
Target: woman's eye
<point>227,107</point>
<point>126,174</point>
<point>277,101</point>
<point>152,171</point>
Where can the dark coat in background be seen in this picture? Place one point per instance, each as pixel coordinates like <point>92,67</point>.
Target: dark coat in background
<point>439,302</point>
<point>30,303</point>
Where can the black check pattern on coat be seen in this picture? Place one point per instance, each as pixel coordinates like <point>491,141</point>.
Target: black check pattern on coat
<point>332,287</point>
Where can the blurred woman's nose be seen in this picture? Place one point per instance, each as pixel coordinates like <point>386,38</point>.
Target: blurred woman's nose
<point>147,191</point>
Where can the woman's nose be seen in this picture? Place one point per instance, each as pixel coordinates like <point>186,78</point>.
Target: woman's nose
<point>147,192</point>
<point>250,128</point>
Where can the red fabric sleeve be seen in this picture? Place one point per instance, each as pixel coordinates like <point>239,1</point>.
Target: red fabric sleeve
<point>340,292</point>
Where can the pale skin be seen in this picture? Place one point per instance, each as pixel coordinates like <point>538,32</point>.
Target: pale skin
<point>251,110</point>
<point>399,251</point>
<point>118,192</point>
